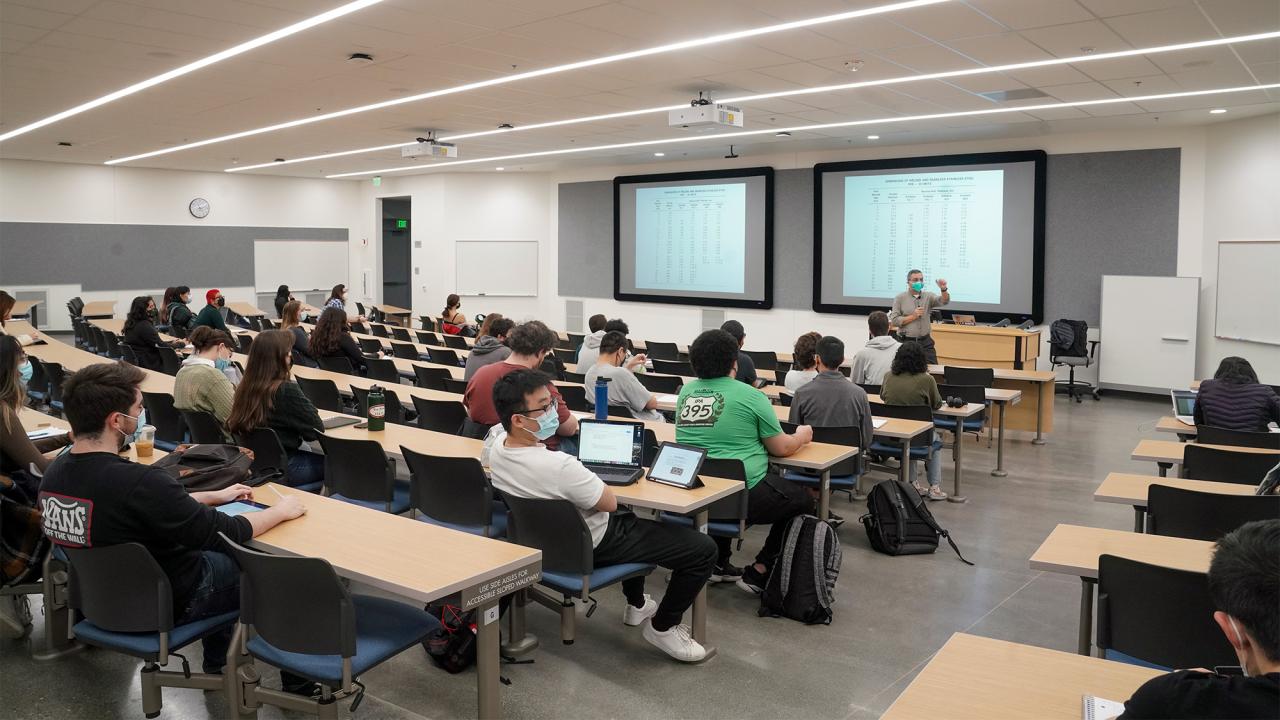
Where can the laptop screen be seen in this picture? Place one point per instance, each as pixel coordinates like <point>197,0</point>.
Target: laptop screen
<point>1184,403</point>
<point>610,443</point>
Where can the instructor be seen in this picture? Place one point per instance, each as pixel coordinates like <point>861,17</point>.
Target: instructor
<point>910,313</point>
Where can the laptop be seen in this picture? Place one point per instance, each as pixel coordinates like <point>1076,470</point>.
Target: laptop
<point>964,319</point>
<point>611,449</point>
<point>678,465</point>
<point>1184,406</point>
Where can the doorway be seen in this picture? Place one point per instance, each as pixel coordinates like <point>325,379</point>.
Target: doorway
<point>397,244</point>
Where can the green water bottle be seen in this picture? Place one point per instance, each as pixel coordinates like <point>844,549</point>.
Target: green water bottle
<point>377,413</point>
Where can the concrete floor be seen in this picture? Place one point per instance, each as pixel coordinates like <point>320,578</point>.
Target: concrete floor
<point>893,614</point>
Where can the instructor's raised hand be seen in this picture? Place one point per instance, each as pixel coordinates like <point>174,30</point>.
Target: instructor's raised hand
<point>942,284</point>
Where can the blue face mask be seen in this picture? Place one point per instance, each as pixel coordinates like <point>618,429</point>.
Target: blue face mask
<point>137,429</point>
<point>917,286</point>
<point>25,371</point>
<point>548,423</point>
<point>221,363</point>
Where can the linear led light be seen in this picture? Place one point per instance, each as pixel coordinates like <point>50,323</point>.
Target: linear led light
<point>197,65</point>
<point>645,52</point>
<point>802,91</point>
<point>802,128</point>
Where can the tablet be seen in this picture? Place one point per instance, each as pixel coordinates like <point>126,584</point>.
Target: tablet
<point>240,507</point>
<point>678,465</point>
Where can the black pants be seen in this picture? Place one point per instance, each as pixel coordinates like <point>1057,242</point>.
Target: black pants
<point>926,344</point>
<point>688,554</point>
<point>773,500</point>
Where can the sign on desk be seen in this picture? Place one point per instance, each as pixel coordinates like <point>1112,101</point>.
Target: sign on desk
<point>498,587</point>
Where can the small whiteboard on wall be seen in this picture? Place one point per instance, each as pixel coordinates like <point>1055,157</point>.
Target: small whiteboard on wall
<point>1248,306</point>
<point>300,264</point>
<point>497,267</point>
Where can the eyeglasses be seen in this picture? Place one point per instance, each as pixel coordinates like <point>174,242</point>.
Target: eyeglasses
<point>552,407</point>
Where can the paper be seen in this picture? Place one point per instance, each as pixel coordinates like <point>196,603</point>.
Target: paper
<point>47,432</point>
<point>664,398</point>
<point>1096,708</point>
<point>878,422</point>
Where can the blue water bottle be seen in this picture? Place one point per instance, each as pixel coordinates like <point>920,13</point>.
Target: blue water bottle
<point>602,398</point>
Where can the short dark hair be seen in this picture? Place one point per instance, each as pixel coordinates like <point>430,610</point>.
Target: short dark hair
<point>501,326</point>
<point>878,323</point>
<point>510,390</point>
<point>181,290</point>
<point>802,353</point>
<point>735,329</point>
<point>1235,371</point>
<point>596,322</point>
<point>913,272</point>
<point>531,338</point>
<point>830,351</point>
<point>92,393</point>
<point>713,354</point>
<point>1244,581</point>
<point>910,360</point>
<point>617,326</point>
<point>612,342</point>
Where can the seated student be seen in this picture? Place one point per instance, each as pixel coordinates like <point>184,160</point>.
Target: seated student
<point>590,351</point>
<point>451,316</point>
<point>7,302</point>
<point>1244,582</point>
<point>595,326</point>
<point>211,315</point>
<point>338,299</point>
<point>268,397</point>
<point>746,366</point>
<point>115,501</point>
<point>201,384</point>
<point>830,400</point>
<point>282,296</point>
<point>332,339</point>
<point>170,294</point>
<point>872,362</point>
<point>290,320</point>
<point>492,345</point>
<point>624,388</point>
<point>140,333</point>
<point>20,458</point>
<point>530,344</point>
<point>1235,400</point>
<point>735,421</point>
<point>180,318</point>
<point>909,383</point>
<point>522,467</point>
<point>804,362</point>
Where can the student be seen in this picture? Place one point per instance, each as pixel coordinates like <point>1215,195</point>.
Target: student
<point>492,345</point>
<point>530,344</point>
<point>909,383</point>
<point>201,384</point>
<point>291,321</point>
<point>595,326</point>
<point>804,362</point>
<point>282,296</point>
<point>1244,583</point>
<point>268,397</point>
<point>181,319</point>
<point>1235,400</point>
<point>746,366</point>
<point>20,458</point>
<point>522,467</point>
<point>590,351</point>
<point>736,421</point>
<point>332,339</point>
<point>624,388</point>
<point>170,294</point>
<point>7,302</point>
<point>872,362</point>
<point>116,501</point>
<point>337,298</point>
<point>211,315</point>
<point>830,400</point>
<point>140,333</point>
<point>450,314</point>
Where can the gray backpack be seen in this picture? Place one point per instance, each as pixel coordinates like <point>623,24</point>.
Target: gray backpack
<point>802,583</point>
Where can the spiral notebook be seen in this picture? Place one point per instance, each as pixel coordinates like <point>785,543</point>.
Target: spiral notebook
<point>1096,708</point>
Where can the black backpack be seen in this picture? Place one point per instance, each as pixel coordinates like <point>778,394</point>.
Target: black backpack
<point>899,523</point>
<point>452,646</point>
<point>210,466</point>
<point>802,584</point>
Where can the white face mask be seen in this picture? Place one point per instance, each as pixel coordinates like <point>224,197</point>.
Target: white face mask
<point>1240,639</point>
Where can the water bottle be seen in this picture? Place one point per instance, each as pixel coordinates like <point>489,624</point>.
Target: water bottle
<point>602,398</point>
<point>377,412</point>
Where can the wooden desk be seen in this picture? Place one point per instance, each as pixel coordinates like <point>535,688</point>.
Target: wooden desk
<point>98,309</point>
<point>1074,550</point>
<point>72,359</point>
<point>961,414</point>
<point>27,309</point>
<point>1129,489</point>
<point>245,309</point>
<point>397,312</point>
<point>978,678</point>
<point>1167,453</point>
<point>1008,348</point>
<point>1170,424</point>
<point>33,420</point>
<point>1035,411</point>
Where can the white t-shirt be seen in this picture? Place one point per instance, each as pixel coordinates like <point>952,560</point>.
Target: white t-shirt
<point>797,379</point>
<point>538,473</point>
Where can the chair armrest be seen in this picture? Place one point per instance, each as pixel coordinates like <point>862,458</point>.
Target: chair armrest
<point>1093,347</point>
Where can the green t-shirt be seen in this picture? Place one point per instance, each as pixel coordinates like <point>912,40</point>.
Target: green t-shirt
<point>730,419</point>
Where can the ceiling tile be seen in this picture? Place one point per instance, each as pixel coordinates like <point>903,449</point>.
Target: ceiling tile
<point>1241,17</point>
<point>869,33</point>
<point>946,22</point>
<point>33,17</point>
<point>927,58</point>
<point>1164,27</point>
<point>1067,40</point>
<point>1129,67</point>
<point>1111,8</point>
<point>1020,14</point>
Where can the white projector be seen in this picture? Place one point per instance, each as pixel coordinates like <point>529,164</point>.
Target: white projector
<point>706,116</point>
<point>430,150</point>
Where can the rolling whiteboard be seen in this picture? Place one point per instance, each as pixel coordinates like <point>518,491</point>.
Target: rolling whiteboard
<point>1248,305</point>
<point>497,267</point>
<point>300,264</point>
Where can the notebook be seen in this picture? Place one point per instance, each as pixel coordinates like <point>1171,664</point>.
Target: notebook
<point>878,422</point>
<point>46,432</point>
<point>1184,405</point>
<point>1096,708</point>
<point>611,449</point>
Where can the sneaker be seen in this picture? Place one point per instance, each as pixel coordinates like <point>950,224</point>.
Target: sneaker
<point>15,617</point>
<point>936,493</point>
<point>633,615</point>
<point>752,580</point>
<point>676,642</point>
<point>920,488</point>
<point>725,573</point>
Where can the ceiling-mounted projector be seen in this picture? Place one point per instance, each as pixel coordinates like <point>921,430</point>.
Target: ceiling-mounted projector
<point>703,114</point>
<point>431,150</point>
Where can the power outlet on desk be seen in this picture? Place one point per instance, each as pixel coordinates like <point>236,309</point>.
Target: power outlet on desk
<point>491,615</point>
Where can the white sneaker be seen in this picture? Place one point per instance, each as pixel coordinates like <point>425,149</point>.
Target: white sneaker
<point>676,642</point>
<point>15,617</point>
<point>633,615</point>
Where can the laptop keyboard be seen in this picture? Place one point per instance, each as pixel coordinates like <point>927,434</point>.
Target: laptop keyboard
<point>615,476</point>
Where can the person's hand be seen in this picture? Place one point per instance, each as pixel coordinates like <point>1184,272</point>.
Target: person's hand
<point>942,284</point>
<point>804,433</point>
<point>291,507</point>
<point>233,493</point>
<point>635,360</point>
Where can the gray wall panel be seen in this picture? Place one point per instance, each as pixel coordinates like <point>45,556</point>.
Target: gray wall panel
<point>585,254</point>
<point>793,239</point>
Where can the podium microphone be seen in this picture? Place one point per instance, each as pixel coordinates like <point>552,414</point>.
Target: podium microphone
<point>1026,324</point>
<point>1004,322</point>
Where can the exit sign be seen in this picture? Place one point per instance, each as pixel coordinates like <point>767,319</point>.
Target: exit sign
<point>402,224</point>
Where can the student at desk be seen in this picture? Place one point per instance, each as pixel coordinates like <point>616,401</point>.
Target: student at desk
<point>140,333</point>
<point>830,400</point>
<point>20,458</point>
<point>7,302</point>
<point>909,383</point>
<point>492,345</point>
<point>1244,582</point>
<point>1235,400</point>
<point>291,322</point>
<point>624,388</point>
<point>530,343</point>
<point>872,362</point>
<point>179,318</point>
<point>332,339</point>
<point>590,351</point>
<point>804,362</point>
<point>521,466</point>
<point>211,314</point>
<point>746,371</point>
<point>202,384</point>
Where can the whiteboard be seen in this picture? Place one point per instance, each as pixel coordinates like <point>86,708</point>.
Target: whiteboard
<point>497,267</point>
<point>300,264</point>
<point>1248,306</point>
<point>1148,332</point>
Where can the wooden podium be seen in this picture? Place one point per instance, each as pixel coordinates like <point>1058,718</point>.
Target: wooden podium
<point>1006,348</point>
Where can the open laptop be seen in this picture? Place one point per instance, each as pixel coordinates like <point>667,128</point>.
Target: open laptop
<point>611,449</point>
<point>964,319</point>
<point>1184,406</point>
<point>678,465</point>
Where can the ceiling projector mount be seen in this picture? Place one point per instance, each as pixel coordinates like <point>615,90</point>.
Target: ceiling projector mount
<point>430,148</point>
<point>705,114</point>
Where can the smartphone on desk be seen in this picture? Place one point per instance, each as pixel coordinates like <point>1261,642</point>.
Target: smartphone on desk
<point>362,425</point>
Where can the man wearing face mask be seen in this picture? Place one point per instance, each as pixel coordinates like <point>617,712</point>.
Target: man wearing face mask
<point>1244,583</point>
<point>910,313</point>
<point>210,315</point>
<point>92,497</point>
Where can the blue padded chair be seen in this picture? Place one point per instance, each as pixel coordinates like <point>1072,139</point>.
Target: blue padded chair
<point>844,474</point>
<point>56,375</point>
<point>970,394</point>
<point>360,473</point>
<point>557,529</point>
<point>982,377</point>
<point>905,412</point>
<point>127,605</point>
<point>454,492</point>
<point>727,516</point>
<point>296,615</point>
<point>171,430</point>
<point>38,388</point>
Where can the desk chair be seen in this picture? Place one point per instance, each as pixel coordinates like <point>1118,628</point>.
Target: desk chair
<point>575,396</point>
<point>727,517</point>
<point>127,605</point>
<point>79,332</point>
<point>395,411</point>
<point>428,323</point>
<point>568,566</point>
<point>296,615</point>
<point>1157,617</point>
<point>171,430</point>
<point>113,345</point>
<point>245,341</point>
<point>552,367</point>
<point>982,377</point>
<point>454,492</point>
<point>56,375</point>
<point>764,359</point>
<point>255,323</point>
<point>401,334</point>
<point>1206,463</point>
<point>75,306</point>
<point>38,388</point>
<point>893,448</point>
<point>426,337</point>
<point>99,340</point>
<point>370,346</point>
<point>441,356</point>
<point>126,354</point>
<point>457,342</point>
<point>845,475</point>
<point>1067,346</point>
<point>405,351</point>
<point>337,364</point>
<point>668,384</point>
<point>575,340</point>
<point>1210,435</point>
<point>784,368</point>
<point>270,458</point>
<point>359,472</point>
<point>379,330</point>
<point>204,427</point>
<point>443,416</point>
<point>567,344</point>
<point>170,362</point>
<point>566,356</point>
<point>359,327</point>
<point>431,378</point>
<point>970,394</point>
<point>322,393</point>
<point>1197,515</point>
<point>580,378</point>
<point>383,369</point>
<point>661,350</point>
<point>457,387</point>
<point>870,389</point>
<point>673,367</point>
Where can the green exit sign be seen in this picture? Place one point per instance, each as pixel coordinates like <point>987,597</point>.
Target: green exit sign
<point>402,224</point>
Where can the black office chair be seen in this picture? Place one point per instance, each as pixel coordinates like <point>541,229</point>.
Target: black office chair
<point>359,327</point>
<point>99,340</point>
<point>668,384</point>
<point>454,492</point>
<point>575,397</point>
<point>566,356</point>
<point>56,374</point>
<point>170,363</point>
<point>869,389</point>
<point>405,351</point>
<point>1204,515</point>
<point>204,427</point>
<point>441,356</point>
<point>337,364</point>
<point>379,330</point>
<point>401,334</point>
<point>359,472</point>
<point>126,354</point>
<point>784,367</point>
<point>1237,466</point>
<point>727,517</point>
<point>457,387</point>
<point>269,456</point>
<point>576,377</point>
<point>763,359</point>
<point>383,370</point>
<point>457,342</point>
<point>245,341</point>
<point>370,346</point>
<point>661,350</point>
<point>552,368</point>
<point>426,337</point>
<point>431,378</point>
<point>171,430</point>
<point>673,367</point>
<point>1157,616</point>
<point>113,345</point>
<point>442,416</point>
<point>1210,435</point>
<point>395,413</point>
<point>957,375</point>
<point>972,394</point>
<point>255,323</point>
<point>893,448</point>
<point>1069,345</point>
<point>322,393</point>
<point>428,323</point>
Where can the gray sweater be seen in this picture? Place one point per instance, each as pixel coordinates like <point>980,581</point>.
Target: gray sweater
<point>487,351</point>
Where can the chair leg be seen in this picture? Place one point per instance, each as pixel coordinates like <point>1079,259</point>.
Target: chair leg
<point>568,617</point>
<point>151,700</point>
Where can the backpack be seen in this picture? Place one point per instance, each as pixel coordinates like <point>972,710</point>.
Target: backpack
<point>802,584</point>
<point>452,646</point>
<point>211,467</point>
<point>899,523</point>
